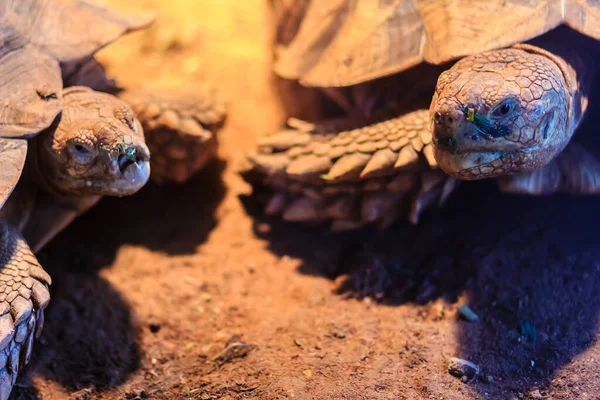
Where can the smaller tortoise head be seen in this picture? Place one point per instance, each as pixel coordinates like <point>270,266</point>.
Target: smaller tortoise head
<point>96,147</point>
<point>500,112</point>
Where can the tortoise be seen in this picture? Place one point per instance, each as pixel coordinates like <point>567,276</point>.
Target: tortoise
<point>70,135</point>
<point>434,93</point>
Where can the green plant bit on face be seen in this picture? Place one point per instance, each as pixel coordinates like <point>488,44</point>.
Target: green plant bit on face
<point>485,128</point>
<point>123,148</point>
<point>470,114</point>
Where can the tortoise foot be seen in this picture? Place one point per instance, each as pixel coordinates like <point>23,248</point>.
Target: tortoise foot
<point>181,131</point>
<point>24,295</point>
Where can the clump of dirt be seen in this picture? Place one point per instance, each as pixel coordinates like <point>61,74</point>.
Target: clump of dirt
<point>187,292</point>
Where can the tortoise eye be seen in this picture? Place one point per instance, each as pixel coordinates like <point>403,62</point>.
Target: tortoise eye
<point>504,108</point>
<point>81,152</point>
<point>81,149</point>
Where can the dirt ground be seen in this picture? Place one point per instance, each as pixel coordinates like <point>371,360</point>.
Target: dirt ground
<point>186,292</point>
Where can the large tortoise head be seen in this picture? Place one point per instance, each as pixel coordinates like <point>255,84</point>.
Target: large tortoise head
<point>501,112</point>
<point>96,147</point>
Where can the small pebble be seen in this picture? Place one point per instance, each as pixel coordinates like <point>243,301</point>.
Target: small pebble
<point>339,335</point>
<point>462,368</point>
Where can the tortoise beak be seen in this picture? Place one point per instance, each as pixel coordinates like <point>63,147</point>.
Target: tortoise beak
<point>134,167</point>
<point>132,155</point>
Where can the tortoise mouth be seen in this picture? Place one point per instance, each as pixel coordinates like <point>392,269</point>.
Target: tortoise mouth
<point>123,174</point>
<point>130,156</point>
<point>125,162</point>
<point>134,175</point>
<point>477,165</point>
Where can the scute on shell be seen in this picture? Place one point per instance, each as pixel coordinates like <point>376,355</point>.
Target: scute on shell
<point>334,43</point>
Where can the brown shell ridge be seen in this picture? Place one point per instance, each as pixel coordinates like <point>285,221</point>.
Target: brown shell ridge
<point>38,34</point>
<point>404,33</point>
<point>73,29</point>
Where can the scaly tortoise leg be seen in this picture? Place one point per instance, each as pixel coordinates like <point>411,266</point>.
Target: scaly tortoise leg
<point>181,130</point>
<point>377,173</point>
<point>51,214</point>
<point>24,294</point>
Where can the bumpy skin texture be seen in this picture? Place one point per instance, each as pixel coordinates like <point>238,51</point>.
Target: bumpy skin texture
<point>374,174</point>
<point>181,130</point>
<point>527,96</point>
<point>24,295</point>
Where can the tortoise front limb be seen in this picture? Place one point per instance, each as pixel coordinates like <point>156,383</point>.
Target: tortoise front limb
<point>51,214</point>
<point>24,295</point>
<point>377,173</point>
<point>181,130</point>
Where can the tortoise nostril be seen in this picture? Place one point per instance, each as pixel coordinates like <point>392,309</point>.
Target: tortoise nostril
<point>445,117</point>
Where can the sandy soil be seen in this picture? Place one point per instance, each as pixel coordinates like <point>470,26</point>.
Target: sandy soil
<point>186,292</point>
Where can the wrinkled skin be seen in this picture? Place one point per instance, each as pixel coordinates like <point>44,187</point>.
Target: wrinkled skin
<point>97,148</point>
<point>525,95</point>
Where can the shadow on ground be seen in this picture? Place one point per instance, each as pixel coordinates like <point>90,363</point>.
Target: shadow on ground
<point>90,340</point>
<point>151,218</point>
<point>522,261</point>
<point>536,291</point>
<point>529,266</point>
